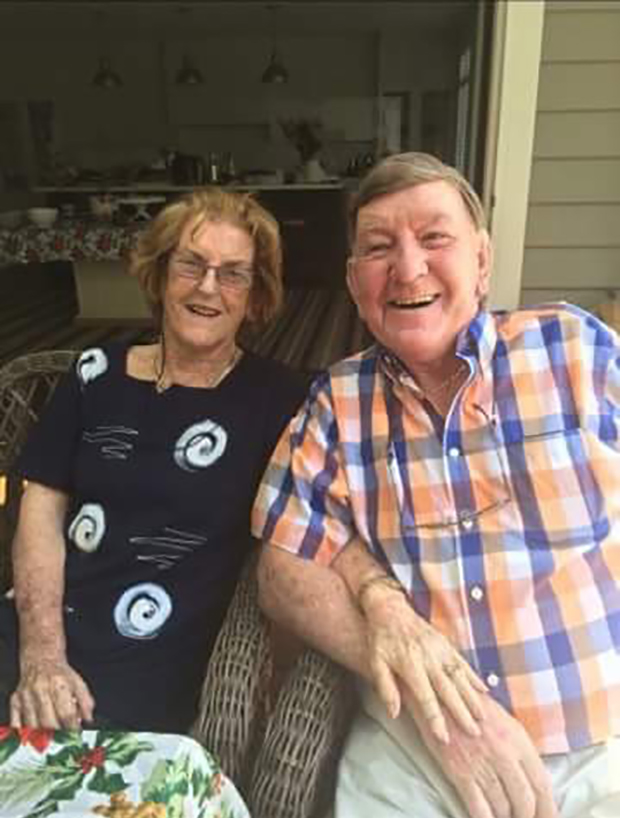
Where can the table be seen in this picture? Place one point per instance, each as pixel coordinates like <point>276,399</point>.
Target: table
<point>99,252</point>
<point>81,774</point>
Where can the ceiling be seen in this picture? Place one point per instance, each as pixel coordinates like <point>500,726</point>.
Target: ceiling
<point>28,18</point>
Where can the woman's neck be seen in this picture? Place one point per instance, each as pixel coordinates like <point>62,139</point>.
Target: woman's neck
<point>190,367</point>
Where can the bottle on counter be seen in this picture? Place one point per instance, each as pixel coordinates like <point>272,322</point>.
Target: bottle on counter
<point>213,169</point>
<point>229,171</point>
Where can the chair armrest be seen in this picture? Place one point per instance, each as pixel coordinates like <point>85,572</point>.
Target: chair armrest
<point>234,695</point>
<point>294,772</point>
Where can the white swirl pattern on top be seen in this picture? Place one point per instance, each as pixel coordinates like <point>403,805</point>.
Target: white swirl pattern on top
<point>91,364</point>
<point>200,446</point>
<point>88,527</point>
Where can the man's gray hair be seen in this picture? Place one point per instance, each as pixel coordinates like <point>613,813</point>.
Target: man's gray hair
<point>404,170</point>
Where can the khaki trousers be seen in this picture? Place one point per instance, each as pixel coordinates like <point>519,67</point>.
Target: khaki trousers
<point>386,772</point>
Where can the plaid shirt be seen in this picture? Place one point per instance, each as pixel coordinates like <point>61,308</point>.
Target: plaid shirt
<point>503,521</point>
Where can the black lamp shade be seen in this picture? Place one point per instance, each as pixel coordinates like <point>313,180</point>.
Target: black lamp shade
<point>188,74</point>
<point>105,77</point>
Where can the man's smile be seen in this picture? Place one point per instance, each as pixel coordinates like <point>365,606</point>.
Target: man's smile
<point>413,303</point>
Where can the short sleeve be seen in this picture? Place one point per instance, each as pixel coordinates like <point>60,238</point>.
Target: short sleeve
<point>303,501</point>
<point>49,454</point>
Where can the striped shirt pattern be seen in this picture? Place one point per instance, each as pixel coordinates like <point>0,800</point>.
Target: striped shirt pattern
<point>503,521</point>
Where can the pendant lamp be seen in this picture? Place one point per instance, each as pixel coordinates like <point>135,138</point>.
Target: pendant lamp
<point>275,73</point>
<point>188,74</point>
<point>105,77</point>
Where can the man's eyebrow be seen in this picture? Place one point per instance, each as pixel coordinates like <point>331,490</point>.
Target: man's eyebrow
<point>372,223</point>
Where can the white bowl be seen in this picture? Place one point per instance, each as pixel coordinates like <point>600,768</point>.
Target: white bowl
<point>43,216</point>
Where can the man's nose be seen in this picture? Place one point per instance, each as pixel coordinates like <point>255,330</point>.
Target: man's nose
<point>411,259</point>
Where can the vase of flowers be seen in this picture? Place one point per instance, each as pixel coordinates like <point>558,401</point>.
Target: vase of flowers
<point>305,135</point>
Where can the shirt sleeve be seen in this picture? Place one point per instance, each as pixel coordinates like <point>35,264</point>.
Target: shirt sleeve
<point>303,501</point>
<point>49,455</point>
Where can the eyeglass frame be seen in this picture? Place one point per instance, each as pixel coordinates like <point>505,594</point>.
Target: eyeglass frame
<point>203,266</point>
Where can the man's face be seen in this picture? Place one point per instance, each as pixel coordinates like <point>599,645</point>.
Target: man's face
<point>418,271</point>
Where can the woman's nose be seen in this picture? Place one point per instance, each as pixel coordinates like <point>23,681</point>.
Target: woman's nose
<point>209,282</point>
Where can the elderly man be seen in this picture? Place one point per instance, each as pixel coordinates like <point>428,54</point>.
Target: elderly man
<point>454,489</point>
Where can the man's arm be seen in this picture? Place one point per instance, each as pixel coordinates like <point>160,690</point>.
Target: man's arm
<point>315,603</point>
<point>50,693</point>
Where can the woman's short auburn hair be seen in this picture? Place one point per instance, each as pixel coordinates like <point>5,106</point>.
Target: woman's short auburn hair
<point>149,260</point>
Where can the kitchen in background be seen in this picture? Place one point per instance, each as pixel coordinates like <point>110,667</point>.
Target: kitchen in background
<point>109,109</point>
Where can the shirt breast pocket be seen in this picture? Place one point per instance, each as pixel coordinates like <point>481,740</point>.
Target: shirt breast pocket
<point>554,484</point>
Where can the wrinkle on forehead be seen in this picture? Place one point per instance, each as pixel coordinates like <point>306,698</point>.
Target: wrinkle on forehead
<point>433,202</point>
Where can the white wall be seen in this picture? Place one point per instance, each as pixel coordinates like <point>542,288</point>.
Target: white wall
<point>572,244</point>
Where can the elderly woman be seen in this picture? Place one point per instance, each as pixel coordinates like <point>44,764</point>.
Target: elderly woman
<point>135,521</point>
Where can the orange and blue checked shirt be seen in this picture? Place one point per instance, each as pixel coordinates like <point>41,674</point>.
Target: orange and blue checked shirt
<point>502,521</point>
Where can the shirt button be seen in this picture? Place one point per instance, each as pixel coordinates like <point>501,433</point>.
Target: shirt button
<point>454,452</point>
<point>492,680</point>
<point>467,525</point>
<point>476,593</point>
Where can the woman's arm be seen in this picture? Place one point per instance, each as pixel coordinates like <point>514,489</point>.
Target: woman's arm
<point>50,693</point>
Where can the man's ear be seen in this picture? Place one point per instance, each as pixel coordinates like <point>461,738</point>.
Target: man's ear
<point>485,264</point>
<point>351,279</point>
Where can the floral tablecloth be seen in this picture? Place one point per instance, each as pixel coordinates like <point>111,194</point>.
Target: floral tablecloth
<point>75,774</point>
<point>68,241</point>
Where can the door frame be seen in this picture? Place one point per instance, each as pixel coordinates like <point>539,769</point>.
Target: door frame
<point>515,66</point>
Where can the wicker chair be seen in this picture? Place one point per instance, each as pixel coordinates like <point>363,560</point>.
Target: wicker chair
<point>281,754</point>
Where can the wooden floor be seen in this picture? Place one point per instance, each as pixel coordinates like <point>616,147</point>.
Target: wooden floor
<point>38,311</point>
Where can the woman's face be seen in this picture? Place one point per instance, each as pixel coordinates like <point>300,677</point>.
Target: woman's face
<point>203,308</point>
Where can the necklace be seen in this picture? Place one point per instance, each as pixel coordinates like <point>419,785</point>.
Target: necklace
<point>163,381</point>
<point>458,373</point>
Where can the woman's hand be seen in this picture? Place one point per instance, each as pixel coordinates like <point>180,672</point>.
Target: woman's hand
<point>50,695</point>
<point>406,651</point>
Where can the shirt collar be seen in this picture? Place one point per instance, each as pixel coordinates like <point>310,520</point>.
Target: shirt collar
<point>475,344</point>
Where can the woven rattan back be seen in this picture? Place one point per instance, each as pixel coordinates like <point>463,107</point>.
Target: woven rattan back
<point>26,385</point>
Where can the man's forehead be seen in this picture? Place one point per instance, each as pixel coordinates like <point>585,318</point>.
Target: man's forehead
<point>430,201</point>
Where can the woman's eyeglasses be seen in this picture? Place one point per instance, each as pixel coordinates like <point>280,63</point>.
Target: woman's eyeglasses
<point>192,269</point>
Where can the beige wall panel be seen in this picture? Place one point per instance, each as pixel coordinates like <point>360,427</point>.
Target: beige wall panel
<point>581,36</point>
<point>574,267</point>
<point>581,86</point>
<point>579,180</point>
<point>573,226</point>
<point>577,134</point>
<point>588,299</point>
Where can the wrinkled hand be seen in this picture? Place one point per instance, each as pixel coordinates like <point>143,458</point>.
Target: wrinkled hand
<point>406,652</point>
<point>50,695</point>
<point>497,775</point>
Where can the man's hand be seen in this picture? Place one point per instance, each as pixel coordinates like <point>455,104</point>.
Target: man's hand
<point>498,775</point>
<point>50,695</point>
<point>406,652</point>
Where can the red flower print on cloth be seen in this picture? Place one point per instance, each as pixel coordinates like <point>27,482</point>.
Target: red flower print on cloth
<point>38,739</point>
<point>94,758</point>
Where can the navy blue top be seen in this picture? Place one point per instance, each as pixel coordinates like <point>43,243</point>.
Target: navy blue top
<point>161,488</point>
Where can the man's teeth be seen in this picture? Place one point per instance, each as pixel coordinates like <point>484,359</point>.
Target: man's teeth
<point>419,301</point>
